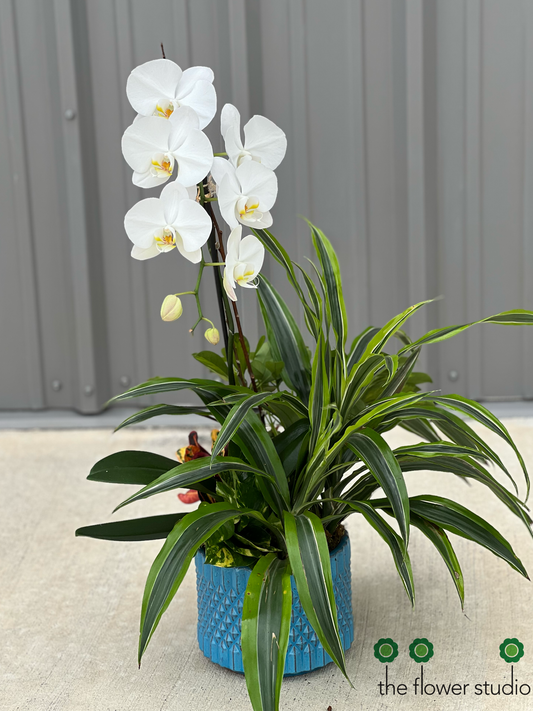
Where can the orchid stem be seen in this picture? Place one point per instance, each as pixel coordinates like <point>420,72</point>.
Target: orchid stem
<point>234,305</point>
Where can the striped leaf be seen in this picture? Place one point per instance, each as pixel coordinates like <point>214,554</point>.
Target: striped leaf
<point>359,345</point>
<point>136,529</point>
<point>333,283</point>
<point>310,563</point>
<point>379,340</point>
<point>400,378</point>
<point>440,540</point>
<point>359,377</point>
<point>457,519</point>
<point>386,407</point>
<point>236,416</point>
<point>158,410</point>
<point>131,467</point>
<point>266,621</point>
<point>258,449</point>
<point>190,473</point>
<point>156,386</point>
<point>170,566</point>
<point>393,540</point>
<point>381,462</point>
<point>469,469</point>
<point>479,413</point>
<point>517,317</point>
<point>319,396</point>
<point>285,339</point>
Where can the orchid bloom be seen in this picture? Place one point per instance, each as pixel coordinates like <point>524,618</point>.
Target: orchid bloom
<point>264,142</point>
<point>156,149</point>
<point>244,259</point>
<point>159,87</point>
<point>245,194</point>
<point>156,225</point>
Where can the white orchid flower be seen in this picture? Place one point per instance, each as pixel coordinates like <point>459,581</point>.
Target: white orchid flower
<point>159,87</point>
<point>245,194</point>
<point>264,142</point>
<point>156,225</point>
<point>244,259</point>
<point>156,149</point>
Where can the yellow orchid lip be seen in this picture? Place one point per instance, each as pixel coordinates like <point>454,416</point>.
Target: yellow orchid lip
<point>164,111</point>
<point>248,209</point>
<point>162,166</point>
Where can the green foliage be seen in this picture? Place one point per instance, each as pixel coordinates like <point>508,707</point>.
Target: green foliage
<point>299,456</point>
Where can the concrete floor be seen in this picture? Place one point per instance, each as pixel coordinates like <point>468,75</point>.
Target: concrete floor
<point>69,608</point>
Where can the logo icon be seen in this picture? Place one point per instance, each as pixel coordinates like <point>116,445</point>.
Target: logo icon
<point>511,649</point>
<point>386,650</point>
<point>421,650</point>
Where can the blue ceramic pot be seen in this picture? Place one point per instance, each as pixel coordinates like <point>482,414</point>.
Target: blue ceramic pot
<point>220,601</point>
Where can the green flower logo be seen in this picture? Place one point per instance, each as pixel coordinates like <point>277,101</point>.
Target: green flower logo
<point>511,650</point>
<point>386,650</point>
<point>421,650</point>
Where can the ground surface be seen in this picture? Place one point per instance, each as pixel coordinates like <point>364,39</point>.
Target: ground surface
<point>69,607</point>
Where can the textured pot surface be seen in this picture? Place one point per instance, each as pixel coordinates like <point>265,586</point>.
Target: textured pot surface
<point>220,601</point>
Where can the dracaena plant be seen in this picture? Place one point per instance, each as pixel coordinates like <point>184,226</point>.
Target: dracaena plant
<point>301,444</point>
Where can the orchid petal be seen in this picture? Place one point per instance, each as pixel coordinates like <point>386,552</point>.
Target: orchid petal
<point>190,77</point>
<point>251,251</point>
<point>227,200</point>
<point>194,157</point>
<point>193,225</point>
<point>222,167</point>
<point>257,180</point>
<point>194,256</point>
<point>146,136</point>
<point>262,138</point>
<point>233,143</point>
<point>148,180</point>
<point>258,224</point>
<point>182,122</point>
<point>234,241</point>
<point>203,100</point>
<point>142,254</point>
<point>150,82</point>
<point>142,220</point>
<point>229,284</point>
<point>229,116</point>
<point>171,197</point>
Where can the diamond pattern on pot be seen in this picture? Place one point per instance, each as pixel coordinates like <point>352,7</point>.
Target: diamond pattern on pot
<point>220,594</point>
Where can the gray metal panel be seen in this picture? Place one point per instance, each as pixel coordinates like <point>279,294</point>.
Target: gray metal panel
<point>410,143</point>
<point>20,348</point>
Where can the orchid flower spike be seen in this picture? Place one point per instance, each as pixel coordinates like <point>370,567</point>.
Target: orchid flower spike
<point>159,87</point>
<point>245,194</point>
<point>264,142</point>
<point>156,149</point>
<point>156,225</point>
<point>244,260</point>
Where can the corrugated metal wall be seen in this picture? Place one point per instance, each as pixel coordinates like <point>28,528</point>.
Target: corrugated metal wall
<point>410,127</point>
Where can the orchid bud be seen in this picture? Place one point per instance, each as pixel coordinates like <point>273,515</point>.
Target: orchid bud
<point>212,335</point>
<point>171,308</point>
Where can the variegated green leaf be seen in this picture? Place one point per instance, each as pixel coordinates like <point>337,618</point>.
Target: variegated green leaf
<point>158,410</point>
<point>170,566</point>
<point>266,619</point>
<point>381,462</point>
<point>333,283</point>
<point>393,540</point>
<point>285,339</point>
<point>440,540</point>
<point>309,558</point>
